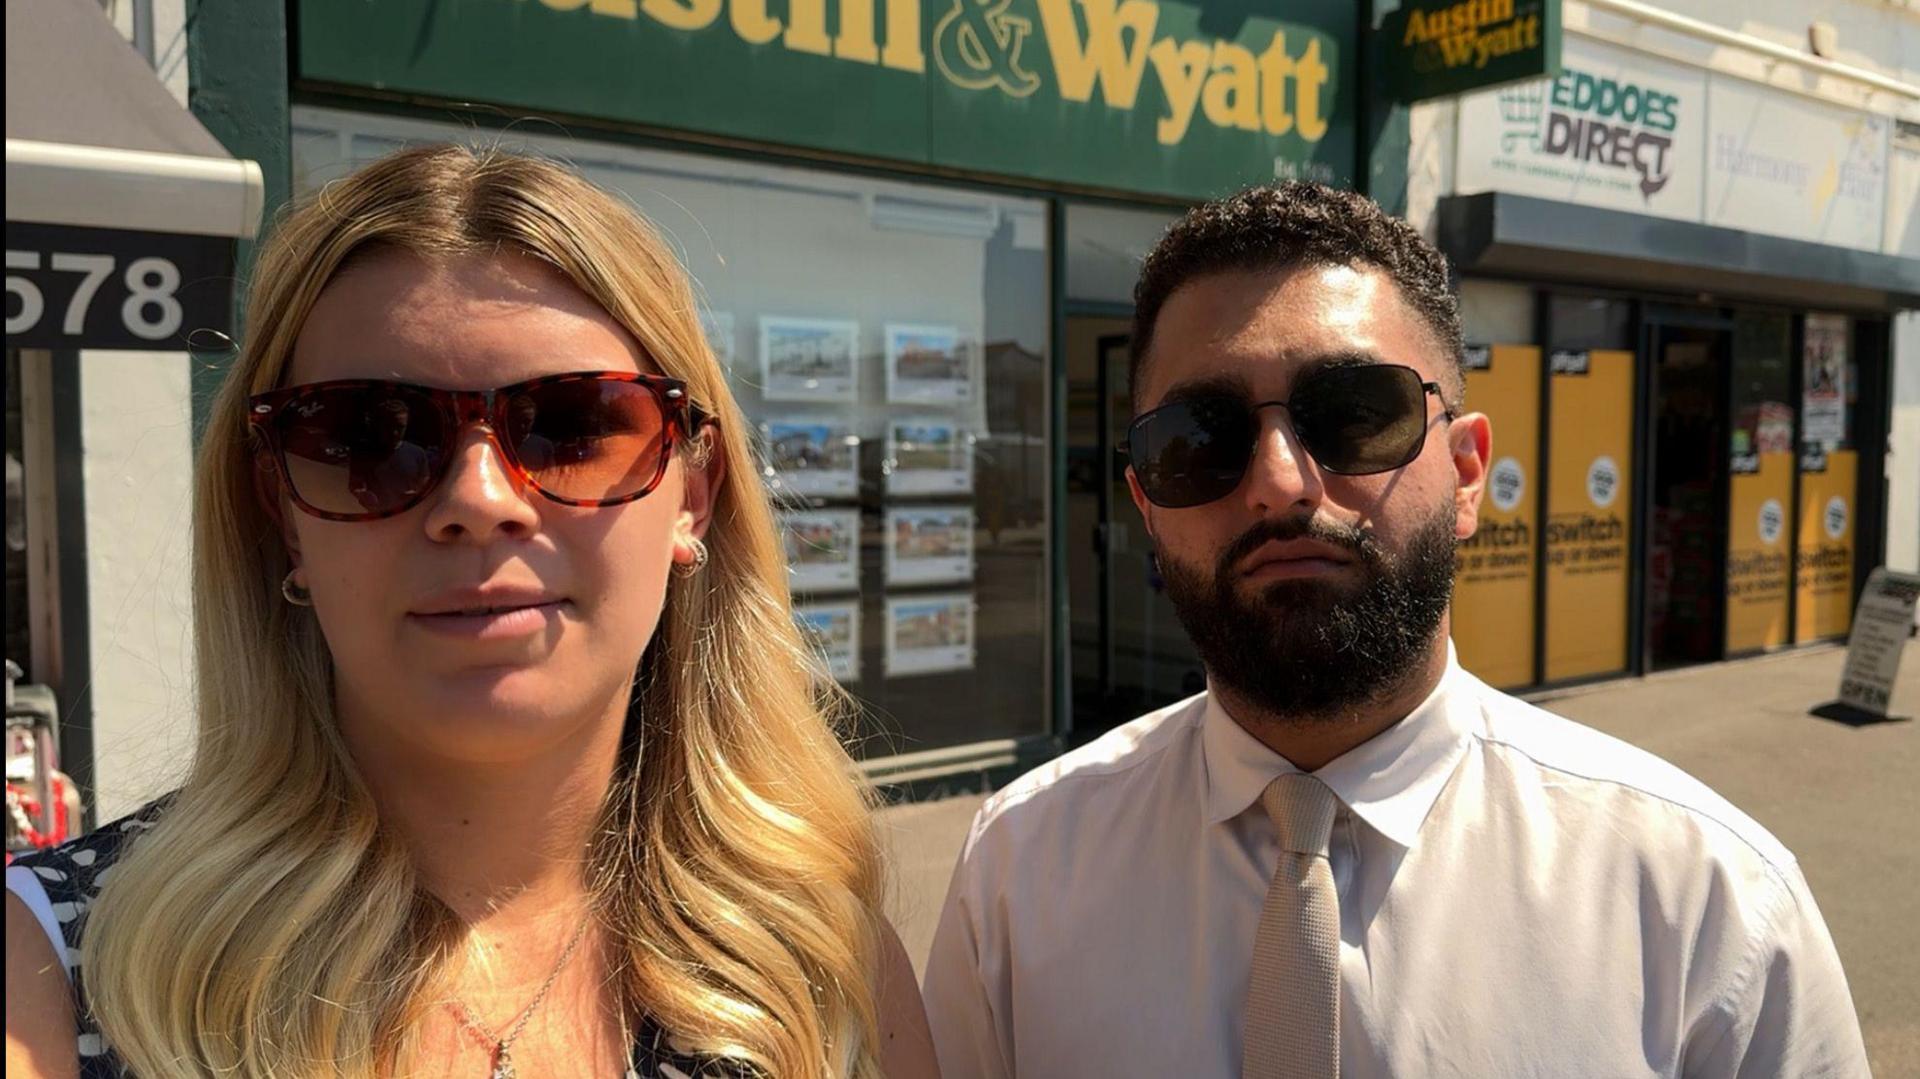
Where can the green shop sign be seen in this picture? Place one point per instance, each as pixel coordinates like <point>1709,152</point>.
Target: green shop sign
<point>1143,96</point>
<point>1433,48</point>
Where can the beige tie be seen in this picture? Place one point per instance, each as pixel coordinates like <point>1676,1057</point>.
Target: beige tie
<point>1293,1003</point>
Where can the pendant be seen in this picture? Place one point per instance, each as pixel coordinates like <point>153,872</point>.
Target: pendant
<point>502,1064</point>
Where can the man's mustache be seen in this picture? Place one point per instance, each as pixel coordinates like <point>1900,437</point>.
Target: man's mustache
<point>1280,530</point>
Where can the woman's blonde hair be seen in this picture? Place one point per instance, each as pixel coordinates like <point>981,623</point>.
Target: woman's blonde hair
<point>270,925</point>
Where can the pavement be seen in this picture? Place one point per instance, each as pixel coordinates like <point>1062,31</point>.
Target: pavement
<point>1844,799</point>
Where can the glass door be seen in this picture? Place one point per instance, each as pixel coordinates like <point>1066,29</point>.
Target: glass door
<point>1130,653</point>
<point>1686,555</point>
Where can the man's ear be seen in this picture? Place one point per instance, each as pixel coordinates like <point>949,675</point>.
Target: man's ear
<point>1140,500</point>
<point>1470,441</point>
<point>705,474</point>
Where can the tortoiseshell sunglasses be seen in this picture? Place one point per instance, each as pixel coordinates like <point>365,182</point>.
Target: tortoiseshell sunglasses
<point>363,449</point>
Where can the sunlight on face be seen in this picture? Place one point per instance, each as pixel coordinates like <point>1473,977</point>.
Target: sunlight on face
<point>487,622</point>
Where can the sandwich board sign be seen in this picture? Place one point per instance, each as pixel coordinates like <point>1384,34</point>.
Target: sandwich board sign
<point>1881,628</point>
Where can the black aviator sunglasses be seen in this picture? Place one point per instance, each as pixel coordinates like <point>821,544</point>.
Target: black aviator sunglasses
<point>1353,419</point>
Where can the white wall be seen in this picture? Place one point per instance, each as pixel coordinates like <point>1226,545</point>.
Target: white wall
<point>1881,35</point>
<point>136,444</point>
<point>1903,458</point>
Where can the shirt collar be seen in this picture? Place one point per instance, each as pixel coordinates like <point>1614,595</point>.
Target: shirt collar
<point>1391,781</point>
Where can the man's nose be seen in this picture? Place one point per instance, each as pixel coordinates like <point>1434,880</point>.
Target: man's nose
<point>1281,476</point>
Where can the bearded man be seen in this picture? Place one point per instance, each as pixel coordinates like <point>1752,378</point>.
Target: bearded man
<point>1349,856</point>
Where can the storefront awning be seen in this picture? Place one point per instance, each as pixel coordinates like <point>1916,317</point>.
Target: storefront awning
<point>122,210</point>
<point>94,139</point>
<point>1546,240</point>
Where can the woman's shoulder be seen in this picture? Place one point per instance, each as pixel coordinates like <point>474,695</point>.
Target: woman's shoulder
<point>74,872</point>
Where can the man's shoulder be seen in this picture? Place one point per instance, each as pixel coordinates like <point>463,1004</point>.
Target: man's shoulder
<point>1608,771</point>
<point>1111,766</point>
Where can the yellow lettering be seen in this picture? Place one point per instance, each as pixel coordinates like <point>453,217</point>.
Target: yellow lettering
<point>903,37</point>
<point>1416,28</point>
<point>1232,94</point>
<point>1309,75</point>
<point>1105,57</point>
<point>682,14</point>
<point>1275,68</point>
<point>751,21</point>
<point>1181,68</point>
<point>855,40</point>
<point>619,9</point>
<point>807,27</point>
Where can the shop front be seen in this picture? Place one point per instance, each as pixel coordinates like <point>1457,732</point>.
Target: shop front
<point>1679,286</point>
<point>122,219</point>
<point>915,226</point>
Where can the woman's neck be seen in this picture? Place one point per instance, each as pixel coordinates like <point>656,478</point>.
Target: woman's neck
<point>500,843</point>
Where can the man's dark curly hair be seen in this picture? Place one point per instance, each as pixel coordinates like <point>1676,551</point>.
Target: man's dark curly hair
<point>1298,224</point>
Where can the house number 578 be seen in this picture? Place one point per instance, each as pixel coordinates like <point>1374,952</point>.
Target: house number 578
<point>150,308</point>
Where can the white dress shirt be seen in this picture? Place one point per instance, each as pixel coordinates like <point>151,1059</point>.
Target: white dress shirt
<point>1519,896</point>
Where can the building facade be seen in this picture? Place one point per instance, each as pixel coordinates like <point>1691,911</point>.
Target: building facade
<point>1682,262</point>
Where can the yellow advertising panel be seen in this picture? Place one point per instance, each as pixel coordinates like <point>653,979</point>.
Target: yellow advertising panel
<point>1823,558</point>
<point>1589,511</point>
<point>1759,572</point>
<point>1494,573</point>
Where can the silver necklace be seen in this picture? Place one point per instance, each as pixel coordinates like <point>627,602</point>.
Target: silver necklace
<point>500,1046</point>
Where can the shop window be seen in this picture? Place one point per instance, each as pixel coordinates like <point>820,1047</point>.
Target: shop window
<point>1829,506</point>
<point>1105,246</point>
<point>1496,312</point>
<point>1496,573</point>
<point>1589,471</point>
<point>889,342</point>
<point>1129,652</point>
<point>1760,482</point>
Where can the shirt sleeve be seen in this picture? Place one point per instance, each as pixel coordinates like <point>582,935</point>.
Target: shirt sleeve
<point>967,1014</point>
<point>1789,1011</point>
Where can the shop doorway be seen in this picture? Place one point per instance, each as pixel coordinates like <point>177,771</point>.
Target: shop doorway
<point>1130,654</point>
<point>1686,564</point>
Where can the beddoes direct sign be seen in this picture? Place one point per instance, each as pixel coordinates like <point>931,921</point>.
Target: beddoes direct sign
<point>1137,95</point>
<point>1615,129</point>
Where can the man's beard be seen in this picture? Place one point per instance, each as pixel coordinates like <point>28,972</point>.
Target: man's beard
<point>1318,648</point>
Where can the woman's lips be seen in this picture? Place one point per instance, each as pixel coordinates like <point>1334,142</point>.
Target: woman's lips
<point>492,624</point>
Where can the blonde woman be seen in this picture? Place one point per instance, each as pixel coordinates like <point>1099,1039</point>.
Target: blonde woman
<point>510,760</point>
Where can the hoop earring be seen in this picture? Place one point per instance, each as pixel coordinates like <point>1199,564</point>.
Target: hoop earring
<point>688,569</point>
<point>293,593</point>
